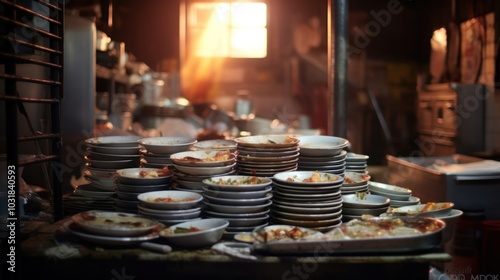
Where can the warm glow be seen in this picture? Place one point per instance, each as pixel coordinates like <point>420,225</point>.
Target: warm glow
<point>215,32</point>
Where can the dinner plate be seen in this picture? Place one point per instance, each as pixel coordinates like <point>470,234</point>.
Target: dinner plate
<point>131,176</point>
<point>309,189</point>
<point>307,210</point>
<point>353,157</point>
<point>237,201</point>
<point>324,158</point>
<point>305,223</point>
<point>114,141</point>
<point>75,229</point>
<point>154,211</point>
<point>167,145</point>
<point>267,141</point>
<point>306,216</point>
<point>340,162</point>
<point>390,195</point>
<point>278,164</point>
<point>237,183</point>
<point>114,223</point>
<point>205,171</point>
<point>412,200</point>
<point>266,169</point>
<point>243,152</point>
<point>273,159</point>
<point>237,209</point>
<point>365,201</point>
<point>114,150</point>
<point>237,194</point>
<point>309,204</point>
<point>278,196</point>
<point>387,188</point>
<point>216,144</point>
<point>272,149</point>
<point>297,178</point>
<point>113,164</point>
<point>208,212</point>
<point>206,158</point>
<point>352,179</point>
<point>310,196</point>
<point>110,157</point>
<point>321,145</point>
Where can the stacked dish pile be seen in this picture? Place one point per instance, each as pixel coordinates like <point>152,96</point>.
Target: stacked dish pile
<point>86,197</point>
<point>171,207</point>
<point>242,200</point>
<point>104,155</point>
<point>113,228</point>
<point>322,153</point>
<point>156,151</point>
<point>192,167</point>
<point>131,182</point>
<point>216,144</point>
<point>355,183</point>
<point>399,196</point>
<point>308,199</point>
<point>266,155</point>
<point>356,163</point>
<point>354,206</point>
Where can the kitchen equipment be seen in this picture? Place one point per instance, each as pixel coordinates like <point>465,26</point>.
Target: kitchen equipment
<point>468,191</point>
<point>451,119</point>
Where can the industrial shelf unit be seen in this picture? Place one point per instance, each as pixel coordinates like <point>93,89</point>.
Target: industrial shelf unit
<point>31,80</point>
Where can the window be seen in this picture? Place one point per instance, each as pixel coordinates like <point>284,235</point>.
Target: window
<point>232,29</point>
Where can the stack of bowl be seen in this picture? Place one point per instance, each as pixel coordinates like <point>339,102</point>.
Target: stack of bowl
<point>171,207</point>
<point>399,196</point>
<point>157,150</point>
<point>131,182</point>
<point>242,200</point>
<point>266,155</point>
<point>192,167</point>
<point>105,155</point>
<point>322,153</point>
<point>354,206</point>
<point>355,182</point>
<point>356,163</point>
<point>307,199</point>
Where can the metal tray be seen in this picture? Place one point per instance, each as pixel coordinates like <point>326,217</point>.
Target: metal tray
<point>384,245</point>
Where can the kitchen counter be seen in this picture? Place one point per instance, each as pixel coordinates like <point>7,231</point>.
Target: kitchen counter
<point>72,258</point>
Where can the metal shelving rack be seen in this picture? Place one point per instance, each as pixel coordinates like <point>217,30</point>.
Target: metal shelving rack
<point>31,41</point>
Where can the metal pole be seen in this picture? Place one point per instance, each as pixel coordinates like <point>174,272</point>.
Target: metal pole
<point>337,68</point>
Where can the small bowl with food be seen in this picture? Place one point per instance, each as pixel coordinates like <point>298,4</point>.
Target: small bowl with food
<point>170,199</point>
<point>429,209</point>
<point>195,234</point>
<point>352,179</point>
<point>144,176</point>
<point>302,178</point>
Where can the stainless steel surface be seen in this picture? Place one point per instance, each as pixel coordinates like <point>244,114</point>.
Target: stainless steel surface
<point>468,192</point>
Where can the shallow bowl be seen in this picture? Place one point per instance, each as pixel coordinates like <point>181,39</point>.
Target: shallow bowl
<point>209,232</point>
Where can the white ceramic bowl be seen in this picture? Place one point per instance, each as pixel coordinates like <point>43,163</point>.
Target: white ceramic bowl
<point>205,171</point>
<point>167,145</point>
<point>210,232</point>
<point>232,209</point>
<point>170,199</point>
<point>321,145</point>
<point>114,223</point>
<point>132,176</point>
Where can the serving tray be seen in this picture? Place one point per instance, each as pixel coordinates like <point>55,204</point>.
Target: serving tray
<point>379,245</point>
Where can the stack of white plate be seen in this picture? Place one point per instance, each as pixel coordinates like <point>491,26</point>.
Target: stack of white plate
<point>399,196</point>
<point>354,183</point>
<point>242,200</point>
<point>356,205</point>
<point>322,153</point>
<point>266,155</point>
<point>171,207</point>
<point>192,167</point>
<point>298,202</point>
<point>106,154</point>
<point>356,163</point>
<point>157,150</point>
<point>131,182</point>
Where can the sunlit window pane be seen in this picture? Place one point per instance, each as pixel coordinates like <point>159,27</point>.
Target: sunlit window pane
<point>226,29</point>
